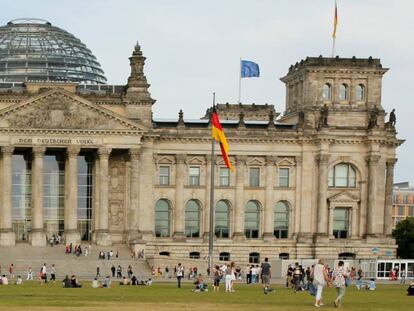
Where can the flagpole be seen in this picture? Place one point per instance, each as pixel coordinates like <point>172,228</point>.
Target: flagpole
<point>333,47</point>
<point>239,101</point>
<point>211,222</point>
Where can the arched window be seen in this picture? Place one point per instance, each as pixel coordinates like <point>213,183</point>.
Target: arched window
<point>327,92</point>
<point>360,92</point>
<point>222,219</point>
<point>342,175</point>
<point>192,219</point>
<point>281,220</point>
<point>254,258</point>
<point>252,220</point>
<point>195,255</point>
<point>284,256</point>
<point>162,218</point>
<point>224,256</point>
<point>343,92</point>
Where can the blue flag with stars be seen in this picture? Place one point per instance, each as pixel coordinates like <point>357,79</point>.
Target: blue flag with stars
<point>249,69</point>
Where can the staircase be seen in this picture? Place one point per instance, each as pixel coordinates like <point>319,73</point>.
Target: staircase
<point>84,267</point>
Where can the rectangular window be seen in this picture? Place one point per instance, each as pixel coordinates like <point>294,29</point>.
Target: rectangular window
<point>254,177</point>
<point>224,177</point>
<point>283,177</point>
<point>164,177</point>
<point>340,223</point>
<point>194,173</point>
<point>411,211</point>
<point>401,210</point>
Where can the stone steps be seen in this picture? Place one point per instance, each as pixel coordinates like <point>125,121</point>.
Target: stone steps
<point>84,267</point>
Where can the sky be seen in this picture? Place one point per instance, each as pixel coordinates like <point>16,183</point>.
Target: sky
<point>193,47</point>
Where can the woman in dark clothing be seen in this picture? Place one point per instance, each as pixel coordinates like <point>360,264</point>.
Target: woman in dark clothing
<point>74,282</point>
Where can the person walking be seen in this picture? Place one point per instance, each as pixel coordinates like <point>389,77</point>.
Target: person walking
<point>29,274</point>
<point>320,278</point>
<point>265,275</point>
<point>113,270</point>
<point>339,274</point>
<point>11,271</point>
<point>98,272</point>
<point>180,274</point>
<point>53,273</point>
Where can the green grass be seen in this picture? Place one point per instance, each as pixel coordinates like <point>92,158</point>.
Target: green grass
<point>165,296</point>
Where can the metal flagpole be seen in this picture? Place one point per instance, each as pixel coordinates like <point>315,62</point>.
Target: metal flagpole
<point>333,47</point>
<point>239,82</point>
<point>211,223</point>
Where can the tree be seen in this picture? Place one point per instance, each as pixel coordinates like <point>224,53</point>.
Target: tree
<point>404,236</point>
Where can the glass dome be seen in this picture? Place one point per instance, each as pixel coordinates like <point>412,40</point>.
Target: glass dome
<point>35,50</point>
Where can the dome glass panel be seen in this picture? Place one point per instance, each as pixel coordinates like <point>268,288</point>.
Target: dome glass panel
<point>35,50</point>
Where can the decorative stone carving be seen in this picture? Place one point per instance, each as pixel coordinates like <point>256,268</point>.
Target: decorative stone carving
<point>72,151</point>
<point>59,111</point>
<point>134,153</point>
<point>117,192</point>
<point>38,151</point>
<point>7,150</point>
<point>323,158</point>
<point>373,159</point>
<point>104,152</point>
<point>180,158</point>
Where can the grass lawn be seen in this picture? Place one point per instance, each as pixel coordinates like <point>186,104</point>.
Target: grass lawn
<point>165,296</point>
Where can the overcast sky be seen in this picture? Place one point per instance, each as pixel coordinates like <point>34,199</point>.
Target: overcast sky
<point>193,47</point>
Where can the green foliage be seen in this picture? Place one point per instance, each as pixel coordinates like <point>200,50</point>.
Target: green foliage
<point>404,236</point>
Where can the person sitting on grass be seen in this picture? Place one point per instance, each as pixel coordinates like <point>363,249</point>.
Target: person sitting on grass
<point>370,285</point>
<point>410,289</point>
<point>200,285</point>
<point>74,282</point>
<point>66,282</point>
<point>125,281</point>
<point>4,280</point>
<point>107,282</point>
<point>134,280</point>
<point>95,283</point>
<point>19,280</point>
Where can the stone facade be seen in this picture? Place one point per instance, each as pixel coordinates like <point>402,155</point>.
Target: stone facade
<point>328,159</point>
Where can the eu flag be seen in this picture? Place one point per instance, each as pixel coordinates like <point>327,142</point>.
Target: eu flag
<point>249,69</point>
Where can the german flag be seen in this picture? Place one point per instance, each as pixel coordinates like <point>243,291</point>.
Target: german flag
<point>218,134</point>
<point>335,21</point>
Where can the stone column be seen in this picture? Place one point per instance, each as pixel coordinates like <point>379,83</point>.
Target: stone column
<point>133,233</point>
<point>269,204</point>
<point>322,224</point>
<point>298,188</point>
<point>179,212</point>
<point>72,234</point>
<point>206,215</point>
<point>330,221</point>
<point>389,185</point>
<point>238,233</point>
<point>372,171</point>
<point>38,234</point>
<point>7,236</point>
<point>354,222</point>
<point>103,237</point>
<point>96,202</point>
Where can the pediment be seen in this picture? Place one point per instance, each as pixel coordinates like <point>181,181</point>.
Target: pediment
<point>220,161</point>
<point>255,162</point>
<point>165,159</point>
<point>285,162</point>
<point>58,109</point>
<point>197,160</point>
<point>344,197</point>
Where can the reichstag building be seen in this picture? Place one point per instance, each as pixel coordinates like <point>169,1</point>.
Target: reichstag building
<point>87,160</point>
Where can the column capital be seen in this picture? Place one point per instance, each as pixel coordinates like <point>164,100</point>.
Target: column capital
<point>323,158</point>
<point>241,159</point>
<point>72,151</point>
<point>134,153</point>
<point>391,162</point>
<point>299,160</point>
<point>104,152</point>
<point>7,150</point>
<point>38,151</point>
<point>373,159</point>
<point>270,160</point>
<point>180,158</point>
<point>208,158</point>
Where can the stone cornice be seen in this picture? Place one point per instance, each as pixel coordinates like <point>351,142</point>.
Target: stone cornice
<point>72,131</point>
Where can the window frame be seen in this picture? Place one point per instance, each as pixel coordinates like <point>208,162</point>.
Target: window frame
<point>221,231</point>
<point>224,256</point>
<point>224,177</point>
<point>254,257</point>
<point>251,183</point>
<point>360,92</point>
<point>327,87</point>
<point>351,181</point>
<point>196,233</point>
<point>343,92</point>
<point>281,232</point>
<point>161,176</point>
<point>280,177</point>
<point>194,180</point>
<point>252,233</point>
<point>161,235</point>
<point>341,233</point>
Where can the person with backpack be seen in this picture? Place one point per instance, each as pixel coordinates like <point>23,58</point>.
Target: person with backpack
<point>265,275</point>
<point>338,276</point>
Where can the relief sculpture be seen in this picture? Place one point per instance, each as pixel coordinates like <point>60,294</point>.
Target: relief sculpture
<point>116,192</point>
